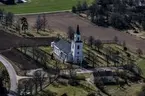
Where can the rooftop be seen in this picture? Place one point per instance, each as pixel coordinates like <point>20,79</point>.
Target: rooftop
<point>64,45</point>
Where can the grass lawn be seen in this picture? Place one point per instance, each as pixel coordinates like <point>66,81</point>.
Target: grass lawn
<point>1,65</point>
<point>141,64</point>
<point>128,91</point>
<point>47,49</point>
<point>69,90</point>
<point>42,6</point>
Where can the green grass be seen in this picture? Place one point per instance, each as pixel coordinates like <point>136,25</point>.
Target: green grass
<point>69,90</point>
<point>141,64</point>
<point>1,65</point>
<point>42,6</point>
<point>128,91</point>
<point>47,49</point>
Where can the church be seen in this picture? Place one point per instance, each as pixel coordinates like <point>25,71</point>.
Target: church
<point>69,51</point>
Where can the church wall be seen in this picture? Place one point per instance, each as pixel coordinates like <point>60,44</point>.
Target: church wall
<point>56,50</point>
<point>77,53</point>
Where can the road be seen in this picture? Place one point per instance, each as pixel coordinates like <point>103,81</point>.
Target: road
<point>11,72</point>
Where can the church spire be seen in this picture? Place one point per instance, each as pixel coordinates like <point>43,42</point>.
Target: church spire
<point>78,30</point>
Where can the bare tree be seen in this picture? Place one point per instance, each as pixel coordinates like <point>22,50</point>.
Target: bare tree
<point>44,22</point>
<point>24,23</point>
<point>124,44</point>
<point>139,52</point>
<point>91,41</point>
<point>39,23</point>
<point>70,33</point>
<point>98,44</point>
<point>116,39</point>
<point>18,26</point>
<point>1,15</point>
<point>39,77</point>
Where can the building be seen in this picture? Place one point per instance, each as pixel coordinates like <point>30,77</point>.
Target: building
<point>69,51</point>
<point>12,2</point>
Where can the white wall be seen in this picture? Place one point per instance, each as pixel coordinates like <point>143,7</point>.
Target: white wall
<point>75,51</point>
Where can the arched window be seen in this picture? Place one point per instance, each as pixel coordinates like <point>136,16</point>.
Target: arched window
<point>78,39</point>
<point>78,47</point>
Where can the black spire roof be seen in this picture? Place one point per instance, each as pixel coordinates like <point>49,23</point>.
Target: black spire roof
<point>78,30</point>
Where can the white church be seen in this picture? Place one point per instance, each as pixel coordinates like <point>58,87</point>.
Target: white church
<point>69,51</point>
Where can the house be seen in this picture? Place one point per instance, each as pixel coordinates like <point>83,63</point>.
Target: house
<point>12,2</point>
<point>69,51</point>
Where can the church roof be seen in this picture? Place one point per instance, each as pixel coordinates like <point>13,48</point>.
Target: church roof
<point>64,46</point>
<point>78,30</point>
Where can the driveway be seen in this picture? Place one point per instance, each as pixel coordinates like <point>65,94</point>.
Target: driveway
<point>11,72</point>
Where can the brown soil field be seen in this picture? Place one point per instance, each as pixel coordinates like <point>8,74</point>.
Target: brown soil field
<point>8,40</point>
<point>61,21</point>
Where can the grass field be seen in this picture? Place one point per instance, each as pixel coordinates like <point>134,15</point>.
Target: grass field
<point>141,64</point>
<point>1,65</point>
<point>128,91</point>
<point>42,6</point>
<point>69,90</point>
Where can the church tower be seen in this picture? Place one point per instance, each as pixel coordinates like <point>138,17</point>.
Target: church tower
<point>77,47</point>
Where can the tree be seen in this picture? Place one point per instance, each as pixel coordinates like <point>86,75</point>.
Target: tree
<point>91,41</point>
<point>117,21</point>
<point>18,26</point>
<point>10,17</point>
<point>24,23</point>
<point>98,44</point>
<point>116,39</point>
<point>1,15</point>
<point>44,22</point>
<point>39,77</point>
<point>70,33</point>
<point>74,10</point>
<point>5,77</point>
<point>139,52</point>
<point>3,90</point>
<point>125,49</point>
<point>79,7</point>
<point>124,44</point>
<point>38,23</point>
<point>84,6</point>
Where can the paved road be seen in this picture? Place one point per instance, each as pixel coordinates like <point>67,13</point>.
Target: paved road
<point>12,73</point>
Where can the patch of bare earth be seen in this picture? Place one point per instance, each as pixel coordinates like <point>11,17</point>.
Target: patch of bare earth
<point>21,62</point>
<point>61,21</point>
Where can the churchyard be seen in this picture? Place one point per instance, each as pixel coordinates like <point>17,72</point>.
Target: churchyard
<point>101,50</point>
